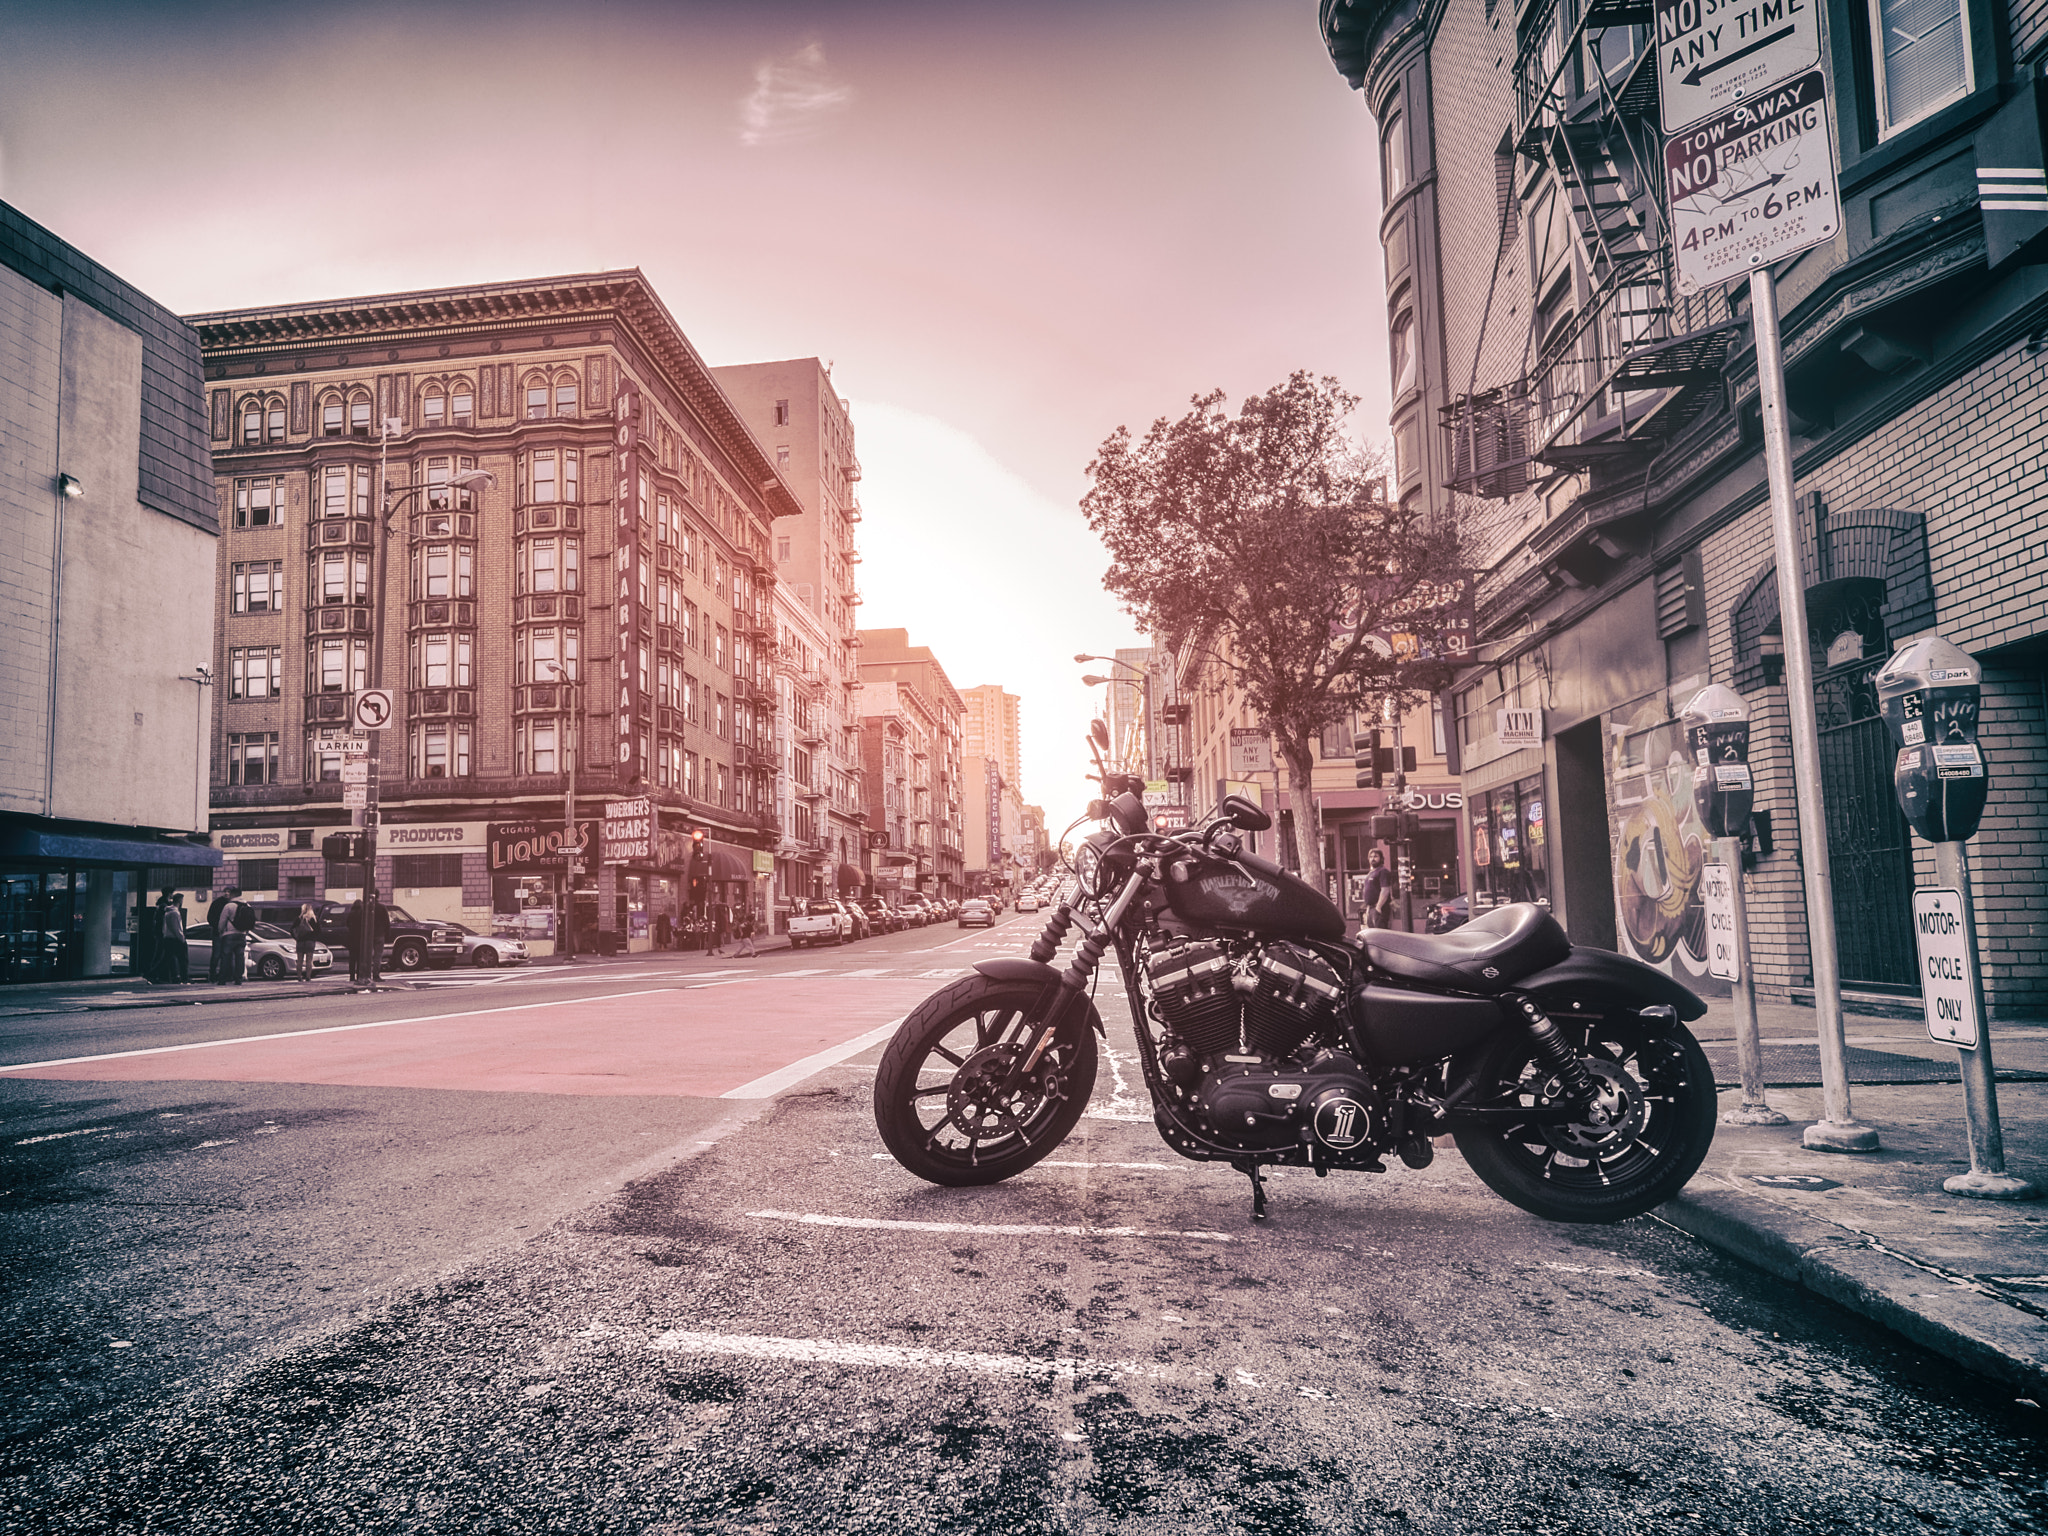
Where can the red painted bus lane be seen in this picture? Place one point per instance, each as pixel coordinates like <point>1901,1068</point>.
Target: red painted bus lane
<point>697,1041</point>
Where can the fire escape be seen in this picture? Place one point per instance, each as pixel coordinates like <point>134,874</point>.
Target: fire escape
<point>1605,381</point>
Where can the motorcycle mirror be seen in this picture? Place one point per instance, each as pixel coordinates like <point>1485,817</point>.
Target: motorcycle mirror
<point>1097,809</point>
<point>1100,731</point>
<point>1242,813</point>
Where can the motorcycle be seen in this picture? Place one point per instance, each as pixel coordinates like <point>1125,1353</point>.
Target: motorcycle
<point>1565,1075</point>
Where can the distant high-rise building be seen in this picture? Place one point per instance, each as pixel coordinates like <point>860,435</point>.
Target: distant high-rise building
<point>992,729</point>
<point>887,658</point>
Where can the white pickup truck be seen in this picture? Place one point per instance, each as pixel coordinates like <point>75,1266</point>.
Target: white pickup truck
<point>819,922</point>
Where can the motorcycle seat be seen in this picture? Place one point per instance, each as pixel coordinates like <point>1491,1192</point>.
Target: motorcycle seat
<point>1488,955</point>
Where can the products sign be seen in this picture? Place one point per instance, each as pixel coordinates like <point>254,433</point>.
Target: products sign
<point>1946,981</point>
<point>628,832</point>
<point>626,412</point>
<point>1752,185</point>
<point>1715,54</point>
<point>1717,895</point>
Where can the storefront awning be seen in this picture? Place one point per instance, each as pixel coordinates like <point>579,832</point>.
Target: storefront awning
<point>729,863</point>
<point>79,848</point>
<point>851,878</point>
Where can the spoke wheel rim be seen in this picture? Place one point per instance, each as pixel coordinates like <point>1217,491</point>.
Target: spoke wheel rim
<point>957,1099</point>
<point>1641,1080</point>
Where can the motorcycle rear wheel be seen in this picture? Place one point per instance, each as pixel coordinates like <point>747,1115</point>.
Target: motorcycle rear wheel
<point>1658,1105</point>
<point>939,1101</point>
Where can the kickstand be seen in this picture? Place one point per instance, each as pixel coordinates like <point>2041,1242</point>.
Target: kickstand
<point>1250,1169</point>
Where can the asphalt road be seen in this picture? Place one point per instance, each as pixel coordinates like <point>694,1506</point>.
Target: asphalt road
<point>373,1279</point>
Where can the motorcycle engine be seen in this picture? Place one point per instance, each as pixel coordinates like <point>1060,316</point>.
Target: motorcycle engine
<point>1250,1037</point>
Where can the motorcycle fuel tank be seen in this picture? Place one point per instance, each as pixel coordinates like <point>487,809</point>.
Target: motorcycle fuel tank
<point>1251,894</point>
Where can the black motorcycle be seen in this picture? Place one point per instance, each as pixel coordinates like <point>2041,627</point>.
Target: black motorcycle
<point>1566,1075</point>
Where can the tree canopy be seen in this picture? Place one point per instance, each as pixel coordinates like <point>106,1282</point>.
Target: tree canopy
<point>1267,539</point>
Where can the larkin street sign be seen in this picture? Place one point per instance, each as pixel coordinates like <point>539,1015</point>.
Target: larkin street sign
<point>1712,54</point>
<point>1753,185</point>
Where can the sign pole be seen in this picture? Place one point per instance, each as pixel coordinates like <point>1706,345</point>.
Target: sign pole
<point>1755,1108</point>
<point>1987,1178</point>
<point>1839,1130</point>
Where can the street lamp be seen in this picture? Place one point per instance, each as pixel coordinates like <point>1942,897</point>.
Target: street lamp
<point>572,747</point>
<point>203,676</point>
<point>1145,680</point>
<point>388,504</point>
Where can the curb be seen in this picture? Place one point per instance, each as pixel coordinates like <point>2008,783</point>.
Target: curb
<point>1934,1310</point>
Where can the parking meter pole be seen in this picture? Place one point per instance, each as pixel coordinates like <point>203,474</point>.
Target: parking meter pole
<point>1987,1178</point>
<point>1839,1130</point>
<point>1755,1108</point>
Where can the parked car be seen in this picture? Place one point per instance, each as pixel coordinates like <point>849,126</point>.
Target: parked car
<point>881,917</point>
<point>1028,902</point>
<point>488,949</point>
<point>817,921</point>
<point>273,954</point>
<point>914,914</point>
<point>1443,916</point>
<point>412,945</point>
<point>861,926</point>
<point>976,913</point>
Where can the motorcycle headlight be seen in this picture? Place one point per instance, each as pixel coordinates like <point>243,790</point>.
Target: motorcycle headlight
<point>1088,868</point>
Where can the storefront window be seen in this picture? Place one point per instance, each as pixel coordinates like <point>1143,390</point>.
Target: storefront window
<point>1511,846</point>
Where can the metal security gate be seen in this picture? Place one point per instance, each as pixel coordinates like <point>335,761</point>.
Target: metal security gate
<point>1869,844</point>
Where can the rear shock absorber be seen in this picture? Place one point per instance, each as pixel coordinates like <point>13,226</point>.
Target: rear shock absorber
<point>1056,928</point>
<point>1552,1049</point>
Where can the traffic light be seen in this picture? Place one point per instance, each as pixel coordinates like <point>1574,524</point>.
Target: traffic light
<point>1365,760</point>
<point>700,866</point>
<point>345,848</point>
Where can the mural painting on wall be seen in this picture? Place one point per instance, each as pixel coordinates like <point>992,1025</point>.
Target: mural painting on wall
<point>1659,848</point>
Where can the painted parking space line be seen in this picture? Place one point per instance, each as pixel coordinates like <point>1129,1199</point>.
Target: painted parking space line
<point>788,1077</point>
<point>1055,1162</point>
<point>895,1356</point>
<point>1032,1229</point>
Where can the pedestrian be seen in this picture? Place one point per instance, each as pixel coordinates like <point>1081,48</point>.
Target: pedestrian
<point>172,950</point>
<point>744,927</point>
<point>663,931</point>
<point>306,931</point>
<point>218,958</point>
<point>358,944</point>
<point>1379,892</point>
<point>231,934</point>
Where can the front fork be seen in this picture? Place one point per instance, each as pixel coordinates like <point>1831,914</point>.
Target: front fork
<point>1073,982</point>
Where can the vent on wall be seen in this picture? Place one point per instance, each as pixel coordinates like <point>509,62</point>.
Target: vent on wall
<point>1681,597</point>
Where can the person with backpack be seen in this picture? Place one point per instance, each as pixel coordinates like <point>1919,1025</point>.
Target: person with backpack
<point>743,931</point>
<point>216,961</point>
<point>172,952</point>
<point>306,931</point>
<point>231,938</point>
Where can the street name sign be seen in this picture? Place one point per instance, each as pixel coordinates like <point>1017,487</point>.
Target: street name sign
<point>1717,895</point>
<point>1713,54</point>
<point>1946,967</point>
<point>1753,185</point>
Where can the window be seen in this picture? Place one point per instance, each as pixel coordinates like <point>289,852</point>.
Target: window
<point>545,485</point>
<point>259,503</point>
<point>256,874</point>
<point>782,413</point>
<point>569,470</point>
<point>565,397</point>
<point>342,576</point>
<point>690,774</point>
<point>537,747</point>
<point>298,887</point>
<point>415,870</point>
<point>252,758</point>
<point>359,416</point>
<point>782,550</point>
<point>444,570</point>
<point>441,661</point>
<point>719,718</point>
<point>252,422</point>
<point>1401,341</point>
<point>345,489</point>
<point>440,751</point>
<point>1925,47</point>
<point>339,666</point>
<point>718,648</point>
<point>258,586</point>
<point>782,456</point>
<point>546,653</point>
<point>549,565</point>
<point>689,624</point>
<point>333,414</point>
<point>462,406</point>
<point>1395,142</point>
<point>255,672</point>
<point>433,408</point>
<point>690,699</point>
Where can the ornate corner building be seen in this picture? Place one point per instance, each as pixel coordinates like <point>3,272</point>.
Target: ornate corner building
<point>599,613</point>
<point>1597,431</point>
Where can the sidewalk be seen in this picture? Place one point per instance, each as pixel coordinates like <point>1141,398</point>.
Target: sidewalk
<point>115,993</point>
<point>1876,1232</point>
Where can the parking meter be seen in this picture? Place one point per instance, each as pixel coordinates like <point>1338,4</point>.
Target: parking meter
<point>1717,735</point>
<point>1929,694</point>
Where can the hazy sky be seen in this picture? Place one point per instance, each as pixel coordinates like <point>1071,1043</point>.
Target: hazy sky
<point>1009,228</point>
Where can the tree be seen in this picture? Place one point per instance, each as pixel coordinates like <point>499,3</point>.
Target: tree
<point>1267,540</point>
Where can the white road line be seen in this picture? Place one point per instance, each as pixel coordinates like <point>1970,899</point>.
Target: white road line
<point>819,971</point>
<point>789,1076</point>
<point>1054,1162</point>
<point>1035,1230</point>
<point>884,971</point>
<point>935,975</point>
<point>331,1029</point>
<point>893,1356</point>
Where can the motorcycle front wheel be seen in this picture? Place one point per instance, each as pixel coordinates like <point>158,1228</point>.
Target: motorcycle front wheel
<point>941,1100</point>
<point>1639,1142</point>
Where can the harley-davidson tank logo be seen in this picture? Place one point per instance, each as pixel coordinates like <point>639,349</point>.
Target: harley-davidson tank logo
<point>1236,891</point>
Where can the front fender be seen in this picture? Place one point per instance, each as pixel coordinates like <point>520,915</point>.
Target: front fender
<point>1038,971</point>
<point>1600,979</point>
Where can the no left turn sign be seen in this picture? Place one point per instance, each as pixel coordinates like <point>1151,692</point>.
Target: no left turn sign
<point>373,709</point>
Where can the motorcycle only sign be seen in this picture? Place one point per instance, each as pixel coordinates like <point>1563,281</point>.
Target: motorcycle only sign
<point>1752,185</point>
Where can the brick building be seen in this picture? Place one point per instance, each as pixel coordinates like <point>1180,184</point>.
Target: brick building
<point>1596,429</point>
<point>108,523</point>
<point>887,656</point>
<point>601,609</point>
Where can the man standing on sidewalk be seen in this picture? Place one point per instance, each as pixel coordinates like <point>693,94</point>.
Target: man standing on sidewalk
<point>217,960</point>
<point>231,938</point>
<point>1379,892</point>
<point>171,949</point>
